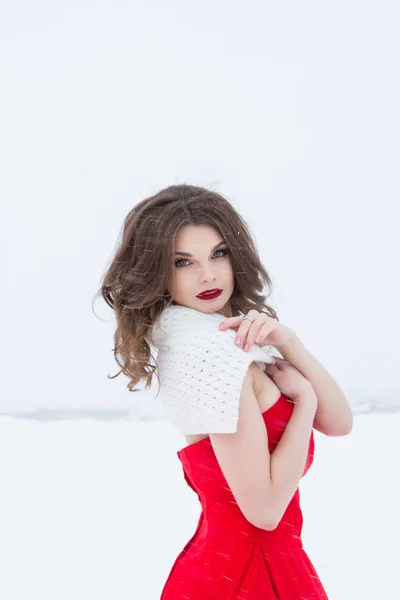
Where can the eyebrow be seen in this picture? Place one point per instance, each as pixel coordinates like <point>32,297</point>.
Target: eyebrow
<point>212,250</point>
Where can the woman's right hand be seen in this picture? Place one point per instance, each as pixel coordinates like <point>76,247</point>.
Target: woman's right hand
<point>291,382</point>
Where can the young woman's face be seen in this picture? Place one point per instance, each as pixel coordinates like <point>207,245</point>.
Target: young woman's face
<point>208,267</point>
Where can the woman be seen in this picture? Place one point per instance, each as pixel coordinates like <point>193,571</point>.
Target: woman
<point>187,280</point>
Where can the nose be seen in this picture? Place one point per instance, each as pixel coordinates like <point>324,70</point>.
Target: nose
<point>207,273</point>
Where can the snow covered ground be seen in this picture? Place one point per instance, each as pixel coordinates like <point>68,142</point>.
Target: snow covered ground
<point>100,509</point>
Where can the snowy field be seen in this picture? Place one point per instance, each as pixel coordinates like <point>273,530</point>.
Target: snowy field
<point>99,509</point>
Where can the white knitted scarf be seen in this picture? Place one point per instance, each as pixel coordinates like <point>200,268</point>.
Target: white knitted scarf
<point>201,370</point>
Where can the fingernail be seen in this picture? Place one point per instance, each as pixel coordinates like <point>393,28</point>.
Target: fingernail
<point>247,347</point>
<point>258,338</point>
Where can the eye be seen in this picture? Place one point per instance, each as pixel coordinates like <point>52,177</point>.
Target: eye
<point>224,250</point>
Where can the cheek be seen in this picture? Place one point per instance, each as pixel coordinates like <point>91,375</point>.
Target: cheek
<point>228,270</point>
<point>180,279</point>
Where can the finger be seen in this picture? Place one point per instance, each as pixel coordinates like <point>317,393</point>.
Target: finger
<point>279,364</point>
<point>230,322</point>
<point>280,361</point>
<point>244,327</point>
<point>264,331</point>
<point>248,331</point>
<point>277,367</point>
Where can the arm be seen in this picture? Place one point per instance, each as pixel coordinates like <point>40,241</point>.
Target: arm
<point>334,416</point>
<point>288,461</point>
<point>261,482</point>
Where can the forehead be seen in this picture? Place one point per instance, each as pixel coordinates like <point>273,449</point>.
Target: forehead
<point>196,236</point>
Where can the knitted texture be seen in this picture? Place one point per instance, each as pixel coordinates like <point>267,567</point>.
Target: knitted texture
<point>201,370</point>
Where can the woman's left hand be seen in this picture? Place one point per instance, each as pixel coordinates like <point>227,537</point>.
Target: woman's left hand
<point>264,331</point>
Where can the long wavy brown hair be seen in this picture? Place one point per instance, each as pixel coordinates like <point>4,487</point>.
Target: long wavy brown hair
<point>135,283</point>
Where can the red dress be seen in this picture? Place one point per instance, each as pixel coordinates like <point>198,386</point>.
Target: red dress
<point>228,558</point>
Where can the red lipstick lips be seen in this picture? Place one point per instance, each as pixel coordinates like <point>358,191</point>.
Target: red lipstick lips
<point>209,294</point>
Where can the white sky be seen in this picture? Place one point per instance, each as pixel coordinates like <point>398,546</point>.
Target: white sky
<point>289,109</point>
